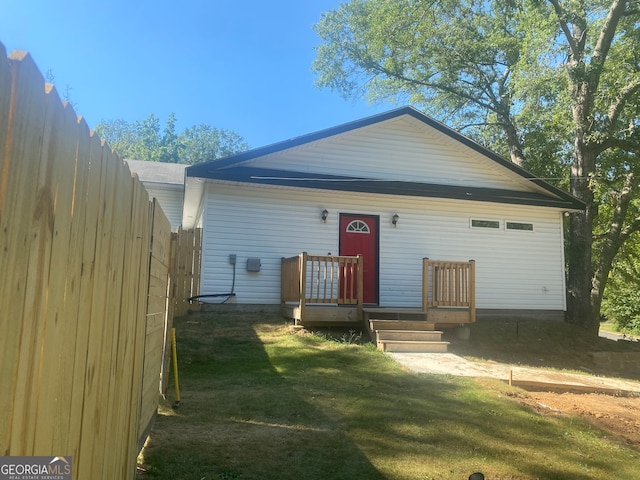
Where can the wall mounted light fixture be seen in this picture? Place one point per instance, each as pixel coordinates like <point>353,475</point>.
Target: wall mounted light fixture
<point>324,215</point>
<point>394,219</point>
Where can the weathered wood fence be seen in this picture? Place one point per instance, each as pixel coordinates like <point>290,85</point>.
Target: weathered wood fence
<point>85,261</point>
<point>186,246</point>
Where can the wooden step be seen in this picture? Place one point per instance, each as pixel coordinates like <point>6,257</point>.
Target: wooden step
<point>378,324</point>
<point>413,335</point>
<point>395,313</point>
<point>410,346</point>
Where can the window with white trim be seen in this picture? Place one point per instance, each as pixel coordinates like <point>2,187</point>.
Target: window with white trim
<point>477,223</point>
<point>520,226</point>
<point>358,226</point>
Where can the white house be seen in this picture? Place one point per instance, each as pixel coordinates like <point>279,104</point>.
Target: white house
<point>165,182</point>
<point>396,187</point>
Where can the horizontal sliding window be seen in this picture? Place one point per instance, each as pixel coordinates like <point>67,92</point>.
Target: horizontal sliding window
<point>527,227</point>
<point>485,223</point>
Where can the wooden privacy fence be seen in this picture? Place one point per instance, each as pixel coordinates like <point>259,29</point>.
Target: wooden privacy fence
<point>82,303</point>
<point>158,322</point>
<point>186,246</point>
<point>184,283</point>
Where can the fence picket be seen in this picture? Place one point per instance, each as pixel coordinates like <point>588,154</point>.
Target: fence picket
<point>27,114</point>
<point>85,219</point>
<point>59,156</point>
<point>76,356</point>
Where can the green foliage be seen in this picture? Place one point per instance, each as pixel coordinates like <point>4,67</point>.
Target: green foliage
<point>465,62</point>
<point>145,140</point>
<point>622,299</point>
<point>552,85</point>
<point>349,336</point>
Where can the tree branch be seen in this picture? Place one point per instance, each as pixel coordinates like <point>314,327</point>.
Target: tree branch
<point>432,85</point>
<point>608,31</point>
<point>564,26</point>
<point>623,144</point>
<point>620,102</point>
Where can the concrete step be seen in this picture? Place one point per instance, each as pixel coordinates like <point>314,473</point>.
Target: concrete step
<point>381,324</point>
<point>412,346</point>
<point>414,335</point>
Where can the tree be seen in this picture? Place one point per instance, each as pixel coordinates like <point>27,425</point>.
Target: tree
<point>554,85</point>
<point>622,302</point>
<point>203,142</point>
<point>143,140</point>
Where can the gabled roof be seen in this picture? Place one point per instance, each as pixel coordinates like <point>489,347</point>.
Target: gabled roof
<point>158,172</point>
<point>241,168</point>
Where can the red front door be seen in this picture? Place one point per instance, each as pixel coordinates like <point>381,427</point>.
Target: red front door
<point>359,236</point>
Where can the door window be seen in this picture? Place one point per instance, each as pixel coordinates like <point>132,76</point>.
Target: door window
<point>358,226</point>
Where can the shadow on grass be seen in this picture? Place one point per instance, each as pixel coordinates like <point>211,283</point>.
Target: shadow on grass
<point>262,403</point>
<point>240,418</point>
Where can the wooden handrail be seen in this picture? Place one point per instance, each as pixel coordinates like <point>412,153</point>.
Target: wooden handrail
<point>332,279</point>
<point>448,284</point>
<point>290,287</point>
<point>322,279</point>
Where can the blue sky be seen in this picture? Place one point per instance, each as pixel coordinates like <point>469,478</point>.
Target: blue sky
<point>240,65</point>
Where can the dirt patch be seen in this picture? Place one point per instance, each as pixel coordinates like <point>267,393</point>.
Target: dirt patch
<point>618,416</point>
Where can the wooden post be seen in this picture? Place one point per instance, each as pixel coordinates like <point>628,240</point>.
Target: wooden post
<point>360,286</point>
<point>197,265</point>
<point>302,270</point>
<point>283,283</point>
<point>472,290</point>
<point>425,286</point>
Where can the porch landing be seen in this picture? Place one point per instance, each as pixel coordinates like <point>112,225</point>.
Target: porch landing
<point>323,315</point>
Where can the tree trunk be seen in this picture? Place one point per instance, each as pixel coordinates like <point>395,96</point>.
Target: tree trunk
<point>612,242</point>
<point>579,252</point>
<point>579,272</point>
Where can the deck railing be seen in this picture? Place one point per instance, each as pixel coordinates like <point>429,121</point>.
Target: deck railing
<point>321,279</point>
<point>449,284</point>
<point>290,279</point>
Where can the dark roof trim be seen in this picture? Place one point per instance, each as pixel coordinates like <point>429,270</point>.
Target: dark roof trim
<point>204,170</point>
<point>286,178</point>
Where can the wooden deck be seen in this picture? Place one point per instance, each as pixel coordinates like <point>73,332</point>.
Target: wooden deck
<point>326,290</point>
<point>322,289</point>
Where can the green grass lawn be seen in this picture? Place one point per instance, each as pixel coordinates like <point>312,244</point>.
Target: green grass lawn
<point>260,402</point>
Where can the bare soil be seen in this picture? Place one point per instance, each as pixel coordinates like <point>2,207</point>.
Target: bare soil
<point>618,416</point>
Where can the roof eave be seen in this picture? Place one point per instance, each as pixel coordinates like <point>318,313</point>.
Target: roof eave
<point>289,179</point>
<point>207,169</point>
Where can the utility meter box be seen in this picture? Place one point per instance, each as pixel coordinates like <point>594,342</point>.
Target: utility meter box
<point>253,264</point>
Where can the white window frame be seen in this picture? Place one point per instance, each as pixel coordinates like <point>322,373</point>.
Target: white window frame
<point>366,230</point>
<point>483,227</point>
<point>507,222</point>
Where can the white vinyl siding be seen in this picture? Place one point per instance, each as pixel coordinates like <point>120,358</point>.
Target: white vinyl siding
<point>514,270</point>
<point>402,149</point>
<point>170,198</point>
